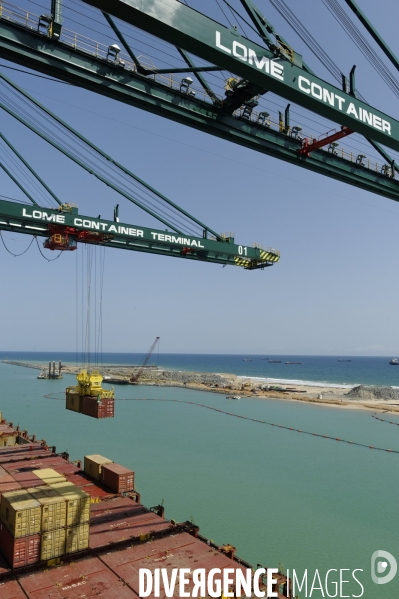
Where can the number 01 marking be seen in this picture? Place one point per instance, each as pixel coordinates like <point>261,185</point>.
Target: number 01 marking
<point>242,250</point>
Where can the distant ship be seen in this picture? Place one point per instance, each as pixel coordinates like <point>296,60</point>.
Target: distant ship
<point>247,359</point>
<point>293,362</point>
<point>344,360</point>
<point>264,358</point>
<point>274,361</point>
<point>394,362</point>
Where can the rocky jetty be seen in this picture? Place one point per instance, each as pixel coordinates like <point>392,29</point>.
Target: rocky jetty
<point>372,392</point>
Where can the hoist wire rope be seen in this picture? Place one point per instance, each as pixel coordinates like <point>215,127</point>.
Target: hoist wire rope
<point>37,180</point>
<point>357,37</point>
<point>114,170</point>
<point>12,253</point>
<point>14,178</point>
<point>29,183</point>
<point>235,12</point>
<point>112,176</point>
<point>224,14</point>
<point>293,21</point>
<point>45,257</point>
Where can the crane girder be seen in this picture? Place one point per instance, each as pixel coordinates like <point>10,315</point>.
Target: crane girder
<point>66,222</point>
<point>182,26</point>
<point>30,49</point>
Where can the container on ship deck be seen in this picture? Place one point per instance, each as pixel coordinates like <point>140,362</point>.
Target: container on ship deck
<point>7,483</point>
<point>15,455</point>
<point>93,465</point>
<point>68,469</point>
<point>19,552</point>
<point>53,508</point>
<point>26,479</point>
<point>117,478</point>
<point>87,577</point>
<point>21,513</point>
<point>7,440</point>
<point>135,526</point>
<point>77,538</point>
<point>53,544</point>
<point>78,503</point>
<point>35,463</point>
<point>74,402</point>
<point>49,476</point>
<point>2,472</point>
<point>98,407</point>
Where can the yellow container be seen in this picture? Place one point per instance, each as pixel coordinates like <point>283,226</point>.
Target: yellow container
<point>20,513</point>
<point>77,538</point>
<point>77,502</point>
<point>53,508</point>
<point>52,544</point>
<point>49,476</point>
<point>93,464</point>
<point>7,440</point>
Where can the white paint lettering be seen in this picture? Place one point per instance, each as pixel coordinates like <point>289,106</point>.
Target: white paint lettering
<point>262,64</point>
<point>277,70</point>
<point>219,45</point>
<point>340,101</point>
<point>328,97</point>
<point>237,49</point>
<point>352,110</point>
<point>377,122</point>
<point>316,91</point>
<point>386,127</point>
<point>304,84</point>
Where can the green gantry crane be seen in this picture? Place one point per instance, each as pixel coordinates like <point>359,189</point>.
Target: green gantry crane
<point>45,46</point>
<point>63,227</point>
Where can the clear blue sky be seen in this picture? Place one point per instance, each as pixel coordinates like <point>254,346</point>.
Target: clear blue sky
<point>335,289</point>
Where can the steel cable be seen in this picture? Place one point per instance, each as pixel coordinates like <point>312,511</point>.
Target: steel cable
<point>10,252</point>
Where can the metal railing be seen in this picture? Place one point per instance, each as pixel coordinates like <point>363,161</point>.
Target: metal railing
<point>101,51</point>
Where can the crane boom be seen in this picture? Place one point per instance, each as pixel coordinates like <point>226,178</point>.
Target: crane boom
<point>64,228</point>
<point>83,62</point>
<point>279,72</point>
<point>144,363</point>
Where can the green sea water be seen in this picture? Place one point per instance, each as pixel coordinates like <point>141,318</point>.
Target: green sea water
<point>276,495</point>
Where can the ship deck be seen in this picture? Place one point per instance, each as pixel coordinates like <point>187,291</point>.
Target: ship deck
<point>124,537</point>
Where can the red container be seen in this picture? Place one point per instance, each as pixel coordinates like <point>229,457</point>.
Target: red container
<point>67,469</point>
<point>117,478</point>
<point>108,529</point>
<point>88,578</point>
<point>19,552</point>
<point>7,483</point>
<point>79,479</point>
<point>27,479</point>
<point>95,408</point>
<point>35,464</point>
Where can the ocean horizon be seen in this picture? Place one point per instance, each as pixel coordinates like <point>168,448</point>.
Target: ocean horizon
<point>314,370</point>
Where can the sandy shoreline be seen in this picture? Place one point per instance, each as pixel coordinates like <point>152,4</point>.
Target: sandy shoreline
<point>230,384</point>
